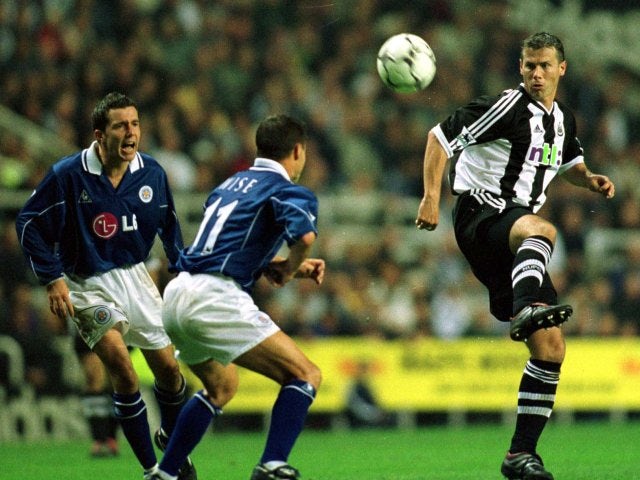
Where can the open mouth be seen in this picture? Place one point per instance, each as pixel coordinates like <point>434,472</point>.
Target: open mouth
<point>129,147</point>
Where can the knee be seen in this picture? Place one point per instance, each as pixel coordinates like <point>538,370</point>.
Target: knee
<point>547,345</point>
<point>121,373</point>
<point>94,381</point>
<point>540,226</point>
<point>221,392</point>
<point>124,380</point>
<point>529,226</point>
<point>168,376</point>
<point>548,230</point>
<point>313,375</point>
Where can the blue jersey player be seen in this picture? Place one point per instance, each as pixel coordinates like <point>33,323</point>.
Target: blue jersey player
<point>86,231</point>
<point>210,315</point>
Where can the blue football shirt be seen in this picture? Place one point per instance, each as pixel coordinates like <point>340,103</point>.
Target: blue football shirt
<point>77,222</point>
<point>247,219</point>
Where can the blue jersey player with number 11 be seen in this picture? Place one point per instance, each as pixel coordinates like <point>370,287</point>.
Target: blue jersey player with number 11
<point>210,315</point>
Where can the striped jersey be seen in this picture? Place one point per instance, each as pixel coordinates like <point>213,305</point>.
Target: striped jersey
<point>510,146</point>
<point>76,222</point>
<point>247,219</point>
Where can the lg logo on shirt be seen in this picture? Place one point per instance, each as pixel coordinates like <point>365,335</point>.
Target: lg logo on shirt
<point>105,225</point>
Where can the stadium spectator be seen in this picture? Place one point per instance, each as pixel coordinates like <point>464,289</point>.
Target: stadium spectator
<point>627,307</point>
<point>362,408</point>
<point>394,299</point>
<point>34,330</point>
<point>14,270</point>
<point>452,312</point>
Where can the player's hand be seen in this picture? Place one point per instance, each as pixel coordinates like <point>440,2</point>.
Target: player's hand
<point>278,272</point>
<point>59,299</point>
<point>312,268</point>
<point>602,184</point>
<point>428,215</point>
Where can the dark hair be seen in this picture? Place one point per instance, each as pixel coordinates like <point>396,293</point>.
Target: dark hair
<point>100,115</point>
<point>277,135</point>
<point>544,40</point>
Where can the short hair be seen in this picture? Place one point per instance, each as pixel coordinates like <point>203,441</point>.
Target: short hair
<point>544,40</point>
<point>277,135</point>
<point>113,100</point>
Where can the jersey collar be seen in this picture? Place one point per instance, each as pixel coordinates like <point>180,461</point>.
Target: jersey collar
<point>267,164</point>
<point>91,162</point>
<point>536,102</point>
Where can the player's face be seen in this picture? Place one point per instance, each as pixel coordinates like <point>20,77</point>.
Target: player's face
<point>541,71</point>
<point>121,138</point>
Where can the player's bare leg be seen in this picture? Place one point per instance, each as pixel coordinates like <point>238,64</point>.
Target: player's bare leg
<point>279,358</point>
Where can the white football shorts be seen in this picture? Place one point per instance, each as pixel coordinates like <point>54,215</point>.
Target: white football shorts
<point>123,298</point>
<point>210,317</point>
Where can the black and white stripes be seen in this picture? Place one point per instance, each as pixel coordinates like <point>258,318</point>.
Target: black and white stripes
<point>539,402</point>
<point>489,118</point>
<point>484,197</point>
<point>509,145</point>
<point>541,374</point>
<point>532,258</point>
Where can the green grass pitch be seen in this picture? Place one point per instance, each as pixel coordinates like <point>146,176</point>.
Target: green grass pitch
<point>586,450</point>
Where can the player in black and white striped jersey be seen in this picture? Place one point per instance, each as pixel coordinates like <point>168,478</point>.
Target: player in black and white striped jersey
<point>505,150</point>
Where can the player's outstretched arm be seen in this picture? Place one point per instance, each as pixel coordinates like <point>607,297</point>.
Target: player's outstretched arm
<point>581,176</point>
<point>435,159</point>
<point>280,271</point>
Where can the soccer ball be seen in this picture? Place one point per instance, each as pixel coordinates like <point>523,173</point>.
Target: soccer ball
<point>406,63</point>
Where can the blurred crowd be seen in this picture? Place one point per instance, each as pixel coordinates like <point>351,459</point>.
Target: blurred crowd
<point>204,72</point>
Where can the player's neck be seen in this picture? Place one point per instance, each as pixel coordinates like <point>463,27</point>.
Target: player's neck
<point>114,169</point>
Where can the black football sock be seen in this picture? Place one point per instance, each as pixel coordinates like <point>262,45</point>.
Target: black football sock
<point>97,409</point>
<point>529,268</point>
<point>536,397</point>
<point>170,405</point>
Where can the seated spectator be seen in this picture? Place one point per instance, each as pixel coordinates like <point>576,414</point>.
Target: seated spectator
<point>29,327</point>
<point>362,406</point>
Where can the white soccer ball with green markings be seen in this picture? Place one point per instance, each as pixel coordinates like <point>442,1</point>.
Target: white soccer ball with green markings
<point>406,63</point>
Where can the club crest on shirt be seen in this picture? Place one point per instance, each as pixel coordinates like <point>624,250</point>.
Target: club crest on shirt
<point>101,315</point>
<point>145,193</point>
<point>465,138</point>
<point>105,225</point>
